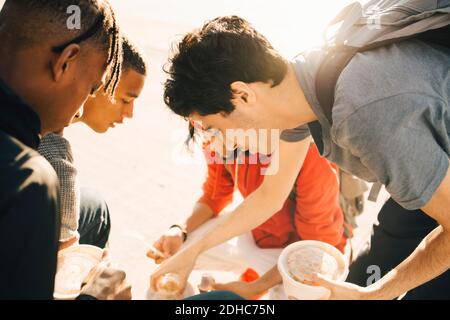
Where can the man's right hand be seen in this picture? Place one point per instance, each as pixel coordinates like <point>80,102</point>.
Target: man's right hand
<point>181,264</point>
<point>106,283</point>
<point>169,244</point>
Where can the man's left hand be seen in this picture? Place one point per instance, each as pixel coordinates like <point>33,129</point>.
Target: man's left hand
<point>341,290</point>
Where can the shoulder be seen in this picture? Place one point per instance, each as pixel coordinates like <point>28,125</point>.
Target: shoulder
<point>55,147</point>
<point>401,68</point>
<point>41,172</point>
<point>22,168</point>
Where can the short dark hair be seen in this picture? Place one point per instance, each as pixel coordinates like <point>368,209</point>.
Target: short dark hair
<point>208,60</point>
<point>34,21</point>
<point>133,58</point>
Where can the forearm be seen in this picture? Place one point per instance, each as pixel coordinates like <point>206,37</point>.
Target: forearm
<point>254,211</point>
<point>429,260</point>
<point>262,203</point>
<point>269,280</point>
<point>201,214</point>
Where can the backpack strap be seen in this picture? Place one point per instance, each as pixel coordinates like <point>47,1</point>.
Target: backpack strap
<point>328,74</point>
<point>326,78</point>
<point>337,58</point>
<point>335,61</point>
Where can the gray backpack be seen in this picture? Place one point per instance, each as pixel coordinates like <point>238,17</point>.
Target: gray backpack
<point>366,26</point>
<point>375,24</point>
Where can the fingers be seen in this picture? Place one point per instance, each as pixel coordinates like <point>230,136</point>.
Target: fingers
<point>106,254</point>
<point>171,246</point>
<point>158,245</point>
<point>158,257</point>
<point>183,285</point>
<point>164,248</point>
<point>124,294</point>
<point>154,279</point>
<point>167,248</point>
<point>155,252</point>
<point>327,296</point>
<point>322,281</point>
<point>106,258</point>
<point>117,276</point>
<point>93,274</point>
<point>180,264</point>
<point>151,254</point>
<point>107,283</point>
<point>221,287</point>
<point>122,291</point>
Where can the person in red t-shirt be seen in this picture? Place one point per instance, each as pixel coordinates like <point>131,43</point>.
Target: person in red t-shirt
<point>311,212</point>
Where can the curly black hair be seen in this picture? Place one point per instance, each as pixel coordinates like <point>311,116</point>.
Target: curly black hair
<point>133,58</point>
<point>208,60</point>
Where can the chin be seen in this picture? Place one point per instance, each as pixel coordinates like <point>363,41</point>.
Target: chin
<point>102,130</point>
<point>99,129</point>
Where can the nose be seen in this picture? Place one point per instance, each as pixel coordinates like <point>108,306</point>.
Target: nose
<point>128,110</point>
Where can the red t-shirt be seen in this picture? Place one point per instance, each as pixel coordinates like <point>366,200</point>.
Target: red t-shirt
<point>312,211</point>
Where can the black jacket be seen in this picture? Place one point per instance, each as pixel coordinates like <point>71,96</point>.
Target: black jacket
<point>29,226</point>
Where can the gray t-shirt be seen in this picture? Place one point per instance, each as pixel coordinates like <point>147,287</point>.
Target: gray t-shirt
<point>391,118</point>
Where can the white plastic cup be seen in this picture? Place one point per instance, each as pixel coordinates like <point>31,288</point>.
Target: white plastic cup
<point>73,252</point>
<point>298,291</point>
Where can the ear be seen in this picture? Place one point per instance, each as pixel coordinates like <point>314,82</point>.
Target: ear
<point>63,61</point>
<point>242,93</point>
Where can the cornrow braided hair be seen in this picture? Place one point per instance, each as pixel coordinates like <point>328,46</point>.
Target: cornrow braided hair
<point>115,59</point>
<point>52,14</point>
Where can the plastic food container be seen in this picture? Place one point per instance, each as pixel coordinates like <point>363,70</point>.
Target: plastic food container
<point>74,264</point>
<point>296,290</point>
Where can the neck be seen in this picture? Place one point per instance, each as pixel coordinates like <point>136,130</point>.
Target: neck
<point>7,63</point>
<point>295,109</point>
<point>15,68</point>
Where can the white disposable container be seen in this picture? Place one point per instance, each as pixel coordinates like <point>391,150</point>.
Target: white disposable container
<point>298,291</point>
<point>74,264</point>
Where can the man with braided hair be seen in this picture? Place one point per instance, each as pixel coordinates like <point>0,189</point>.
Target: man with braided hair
<point>47,71</point>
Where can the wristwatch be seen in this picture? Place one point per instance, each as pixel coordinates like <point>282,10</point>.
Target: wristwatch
<point>183,230</point>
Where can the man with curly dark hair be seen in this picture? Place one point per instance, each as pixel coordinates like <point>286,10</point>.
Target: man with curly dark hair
<point>390,124</point>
